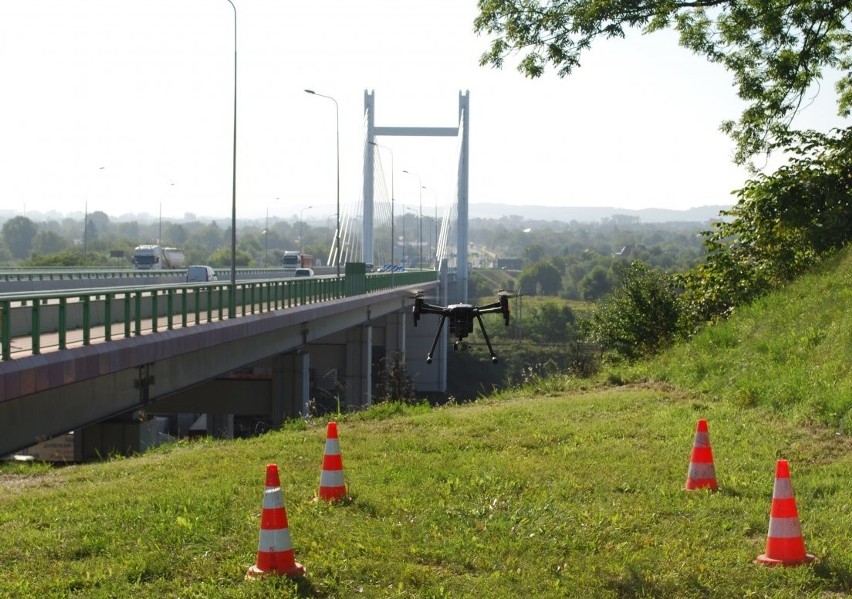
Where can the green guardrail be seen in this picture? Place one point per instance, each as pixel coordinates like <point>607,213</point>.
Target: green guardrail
<point>116,312</point>
<point>71,274</point>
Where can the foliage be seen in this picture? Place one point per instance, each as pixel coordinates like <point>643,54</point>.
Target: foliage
<point>550,322</point>
<point>782,224</point>
<point>18,233</point>
<point>393,383</point>
<point>222,257</point>
<point>66,258</point>
<point>775,50</point>
<point>641,316</point>
<point>541,277</point>
<point>48,242</point>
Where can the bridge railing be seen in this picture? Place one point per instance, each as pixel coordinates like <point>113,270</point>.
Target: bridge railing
<point>73,274</point>
<point>56,320</point>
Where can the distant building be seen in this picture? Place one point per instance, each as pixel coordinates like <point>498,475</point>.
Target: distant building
<point>630,250</point>
<point>510,263</point>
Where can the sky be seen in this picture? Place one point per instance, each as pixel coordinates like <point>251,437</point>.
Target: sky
<point>127,106</point>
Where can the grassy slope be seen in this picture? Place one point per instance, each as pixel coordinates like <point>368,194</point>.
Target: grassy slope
<point>545,493</point>
<point>790,351</point>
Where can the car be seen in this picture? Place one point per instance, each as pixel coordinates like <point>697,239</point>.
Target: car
<point>199,273</point>
<point>303,272</point>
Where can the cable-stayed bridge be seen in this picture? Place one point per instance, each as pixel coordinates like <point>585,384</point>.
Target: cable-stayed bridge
<point>368,224</point>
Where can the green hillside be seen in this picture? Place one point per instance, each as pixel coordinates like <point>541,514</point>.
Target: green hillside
<point>790,351</point>
<point>546,491</point>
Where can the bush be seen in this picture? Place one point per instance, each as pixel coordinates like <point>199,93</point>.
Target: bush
<point>641,316</point>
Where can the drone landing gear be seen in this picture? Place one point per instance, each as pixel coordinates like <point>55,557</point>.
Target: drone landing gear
<point>460,344</point>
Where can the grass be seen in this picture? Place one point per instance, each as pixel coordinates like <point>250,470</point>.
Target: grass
<point>568,495</point>
<point>789,351</point>
<point>559,488</point>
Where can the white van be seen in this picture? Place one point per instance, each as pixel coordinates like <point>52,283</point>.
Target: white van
<point>200,273</point>
<point>304,272</point>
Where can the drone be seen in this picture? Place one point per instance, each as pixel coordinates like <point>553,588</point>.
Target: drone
<point>461,320</point>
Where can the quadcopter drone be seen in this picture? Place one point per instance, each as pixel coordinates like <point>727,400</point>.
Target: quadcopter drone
<point>461,320</point>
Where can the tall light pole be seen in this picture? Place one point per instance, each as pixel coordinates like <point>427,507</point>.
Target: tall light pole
<point>337,142</point>
<point>420,218</point>
<point>302,222</point>
<point>232,296</point>
<point>392,237</point>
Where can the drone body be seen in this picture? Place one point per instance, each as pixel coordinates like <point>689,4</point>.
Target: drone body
<point>461,320</point>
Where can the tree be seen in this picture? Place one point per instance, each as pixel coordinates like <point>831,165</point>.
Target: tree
<point>776,49</point>
<point>641,316</point>
<point>782,224</point>
<point>541,277</point>
<point>48,242</point>
<point>19,233</point>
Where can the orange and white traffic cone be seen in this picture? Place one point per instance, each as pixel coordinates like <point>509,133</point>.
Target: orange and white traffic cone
<point>331,486</point>
<point>785,545</point>
<point>274,550</point>
<point>701,474</point>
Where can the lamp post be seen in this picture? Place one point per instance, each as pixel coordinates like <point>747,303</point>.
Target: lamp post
<point>232,295</point>
<point>302,222</point>
<point>392,237</point>
<point>419,219</point>
<point>337,142</point>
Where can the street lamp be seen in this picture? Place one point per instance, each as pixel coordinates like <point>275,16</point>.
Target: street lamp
<point>232,296</point>
<point>420,218</point>
<point>392,238</point>
<point>302,222</point>
<point>337,138</point>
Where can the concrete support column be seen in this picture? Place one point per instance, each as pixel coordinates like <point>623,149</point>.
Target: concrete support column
<point>359,367</point>
<point>395,333</point>
<point>290,386</point>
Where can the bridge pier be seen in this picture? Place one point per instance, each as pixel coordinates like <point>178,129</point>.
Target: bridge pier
<point>290,385</point>
<point>359,367</point>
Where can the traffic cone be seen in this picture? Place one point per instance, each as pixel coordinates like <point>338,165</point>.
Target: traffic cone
<point>274,550</point>
<point>331,486</point>
<point>701,474</point>
<point>784,543</point>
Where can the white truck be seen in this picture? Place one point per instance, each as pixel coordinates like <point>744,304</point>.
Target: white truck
<point>157,257</point>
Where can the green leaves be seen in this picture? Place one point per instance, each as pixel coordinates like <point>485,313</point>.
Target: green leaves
<point>775,49</point>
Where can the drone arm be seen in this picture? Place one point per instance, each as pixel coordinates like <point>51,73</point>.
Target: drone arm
<point>487,340</point>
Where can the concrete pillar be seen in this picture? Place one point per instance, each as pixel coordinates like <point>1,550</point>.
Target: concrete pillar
<point>359,367</point>
<point>290,386</point>
<point>395,333</point>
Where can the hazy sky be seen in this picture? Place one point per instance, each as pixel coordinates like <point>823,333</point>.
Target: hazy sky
<point>144,89</point>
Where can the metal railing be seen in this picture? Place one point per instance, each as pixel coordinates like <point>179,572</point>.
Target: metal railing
<point>56,320</point>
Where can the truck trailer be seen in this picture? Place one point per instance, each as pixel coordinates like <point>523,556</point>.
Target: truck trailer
<point>156,257</point>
